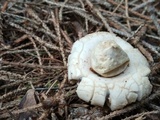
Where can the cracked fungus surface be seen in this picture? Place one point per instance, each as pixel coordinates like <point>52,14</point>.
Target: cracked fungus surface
<point>120,90</point>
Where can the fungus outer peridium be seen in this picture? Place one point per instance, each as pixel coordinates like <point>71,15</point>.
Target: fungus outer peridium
<point>97,89</point>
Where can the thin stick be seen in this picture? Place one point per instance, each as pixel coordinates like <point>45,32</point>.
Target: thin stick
<point>127,15</point>
<point>145,52</point>
<point>67,38</point>
<point>5,6</point>
<point>86,21</point>
<point>22,46</point>
<point>47,51</point>
<point>35,16</point>
<point>141,30</point>
<point>64,81</point>
<point>32,65</point>
<point>37,52</point>
<point>131,107</point>
<point>118,6</point>
<point>152,48</point>
<point>104,21</point>
<point>145,3</point>
<point>56,25</point>
<point>141,115</point>
<point>137,21</point>
<point>151,9</point>
<point>5,115</point>
<point>64,5</point>
<point>51,87</point>
<point>154,37</point>
<point>3,97</point>
<point>155,68</point>
<point>61,10</point>
<point>22,38</point>
<point>88,17</point>
<point>133,12</point>
<point>121,32</point>
<point>100,16</point>
<point>49,45</point>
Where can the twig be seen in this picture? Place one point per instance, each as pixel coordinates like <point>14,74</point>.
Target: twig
<point>121,32</point>
<point>50,45</point>
<point>118,25</point>
<point>61,10</point>
<point>22,46</point>
<point>135,33</point>
<point>18,51</point>
<point>86,21</point>
<point>145,52</point>
<point>86,16</point>
<point>2,43</point>
<point>32,65</point>
<point>47,30</point>
<point>155,68</point>
<point>64,81</point>
<point>154,37</point>
<point>142,5</point>
<point>5,115</point>
<point>44,115</point>
<point>118,6</point>
<point>48,52</point>
<point>9,94</point>
<point>67,38</point>
<point>17,82</point>
<point>133,19</point>
<point>152,48</point>
<point>155,107</point>
<point>22,38</point>
<point>100,16</point>
<point>57,29</point>
<point>51,86</point>
<point>55,79</point>
<point>104,21</point>
<point>37,52</point>
<point>141,115</point>
<point>11,104</point>
<point>20,17</point>
<point>137,21</point>
<point>141,30</point>
<point>1,34</point>
<point>64,5</point>
<point>154,18</point>
<point>131,107</point>
<point>127,15</point>
<point>11,74</point>
<point>133,12</point>
<point>4,6</point>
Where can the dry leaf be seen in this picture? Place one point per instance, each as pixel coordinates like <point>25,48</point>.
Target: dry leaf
<point>29,99</point>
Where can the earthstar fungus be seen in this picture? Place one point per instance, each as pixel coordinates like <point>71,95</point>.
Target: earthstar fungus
<point>110,70</point>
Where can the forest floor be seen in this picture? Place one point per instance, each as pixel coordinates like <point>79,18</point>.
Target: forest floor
<point>36,37</point>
